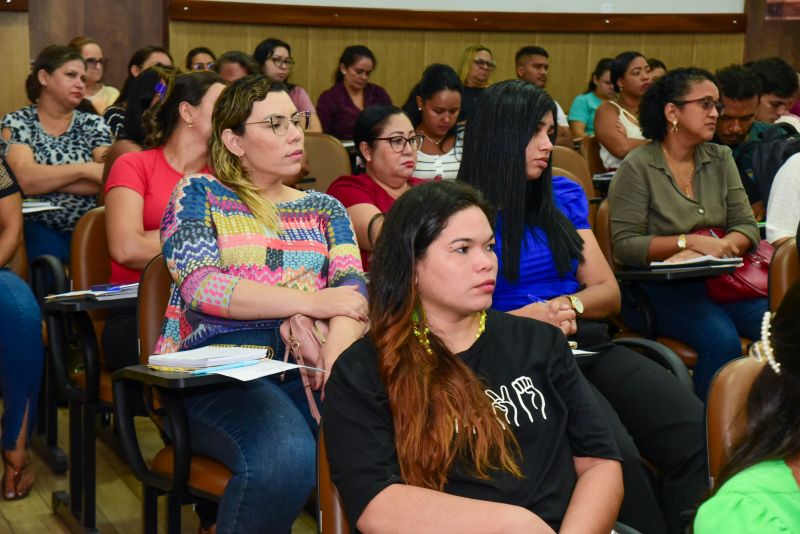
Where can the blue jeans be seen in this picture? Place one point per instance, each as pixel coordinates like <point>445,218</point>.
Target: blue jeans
<point>41,240</point>
<point>263,432</point>
<point>21,355</point>
<point>684,312</point>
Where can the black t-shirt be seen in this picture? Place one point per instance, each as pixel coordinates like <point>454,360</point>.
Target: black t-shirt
<point>536,389</point>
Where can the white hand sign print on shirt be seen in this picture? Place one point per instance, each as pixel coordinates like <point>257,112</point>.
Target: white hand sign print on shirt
<point>527,395</point>
<point>504,404</point>
<point>526,391</point>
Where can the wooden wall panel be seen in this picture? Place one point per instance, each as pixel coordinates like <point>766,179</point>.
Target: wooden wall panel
<point>771,37</point>
<point>403,54</point>
<point>120,27</point>
<point>16,63</point>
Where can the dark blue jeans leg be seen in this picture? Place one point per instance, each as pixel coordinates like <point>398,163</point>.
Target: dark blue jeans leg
<point>261,434</point>
<point>684,312</point>
<point>41,240</point>
<point>21,355</point>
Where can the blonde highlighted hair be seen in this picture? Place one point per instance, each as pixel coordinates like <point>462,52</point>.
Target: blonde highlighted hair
<point>466,60</point>
<point>231,111</point>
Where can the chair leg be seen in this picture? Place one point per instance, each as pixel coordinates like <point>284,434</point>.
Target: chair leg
<point>173,514</point>
<point>149,510</point>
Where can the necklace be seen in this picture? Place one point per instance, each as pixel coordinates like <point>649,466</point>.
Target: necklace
<point>687,187</point>
<point>421,330</point>
<point>432,140</point>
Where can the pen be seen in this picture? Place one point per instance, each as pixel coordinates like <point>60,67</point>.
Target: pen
<point>713,234</point>
<point>209,370</point>
<point>536,299</point>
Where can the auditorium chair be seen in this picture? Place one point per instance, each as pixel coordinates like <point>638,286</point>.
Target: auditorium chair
<point>331,518</point>
<point>174,471</point>
<point>726,410</point>
<point>588,190</point>
<point>327,160</point>
<point>602,231</point>
<point>569,159</point>
<point>590,150</point>
<point>88,388</point>
<point>784,271</point>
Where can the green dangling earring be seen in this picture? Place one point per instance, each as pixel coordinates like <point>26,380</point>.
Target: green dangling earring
<point>421,329</point>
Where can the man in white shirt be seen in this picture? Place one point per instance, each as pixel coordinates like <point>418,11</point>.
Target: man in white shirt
<point>532,66</point>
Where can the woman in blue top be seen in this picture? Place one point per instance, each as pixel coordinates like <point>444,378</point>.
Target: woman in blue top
<point>581,112</point>
<point>551,268</point>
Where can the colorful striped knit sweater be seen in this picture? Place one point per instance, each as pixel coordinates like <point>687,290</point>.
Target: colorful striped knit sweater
<point>211,240</point>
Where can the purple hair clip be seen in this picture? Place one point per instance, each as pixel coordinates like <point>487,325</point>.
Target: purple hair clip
<point>160,89</point>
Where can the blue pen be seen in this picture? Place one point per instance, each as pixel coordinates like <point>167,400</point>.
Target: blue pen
<point>534,298</point>
<point>209,370</point>
<point>713,234</point>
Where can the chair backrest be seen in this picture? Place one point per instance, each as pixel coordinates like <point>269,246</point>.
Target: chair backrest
<point>784,271</point>
<point>153,298</point>
<point>558,171</point>
<point>19,261</point>
<point>327,160</point>
<point>590,150</point>
<point>602,232</point>
<point>725,412</point>
<point>90,262</point>
<point>569,159</point>
<point>332,518</point>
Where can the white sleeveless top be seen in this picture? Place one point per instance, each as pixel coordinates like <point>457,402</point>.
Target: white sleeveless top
<point>632,131</point>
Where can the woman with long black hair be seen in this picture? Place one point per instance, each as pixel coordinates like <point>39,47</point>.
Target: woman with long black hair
<point>552,269</point>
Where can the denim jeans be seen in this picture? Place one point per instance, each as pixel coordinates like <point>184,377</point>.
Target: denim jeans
<point>21,355</point>
<point>263,432</point>
<point>41,240</point>
<point>684,312</point>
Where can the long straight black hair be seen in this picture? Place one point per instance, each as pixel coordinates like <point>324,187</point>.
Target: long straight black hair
<point>504,119</point>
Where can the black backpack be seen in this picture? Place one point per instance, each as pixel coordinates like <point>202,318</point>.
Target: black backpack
<point>778,143</point>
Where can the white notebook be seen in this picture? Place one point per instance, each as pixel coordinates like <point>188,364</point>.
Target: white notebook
<point>697,262</point>
<point>210,356</point>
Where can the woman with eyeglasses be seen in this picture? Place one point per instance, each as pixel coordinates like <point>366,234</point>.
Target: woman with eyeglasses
<point>616,121</point>
<point>433,106</point>
<point>142,59</point>
<point>275,59</point>
<point>246,252</point>
<point>387,146</point>
<point>477,66</point>
<point>55,151</point>
<point>139,186</point>
<point>339,106</point>
<point>100,95</point>
<point>665,190</point>
<point>583,108</point>
<point>200,58</point>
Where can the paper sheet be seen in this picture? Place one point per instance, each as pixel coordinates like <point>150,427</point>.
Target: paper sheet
<point>265,368</point>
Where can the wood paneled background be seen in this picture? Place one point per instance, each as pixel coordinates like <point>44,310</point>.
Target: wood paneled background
<point>14,37</point>
<point>403,54</point>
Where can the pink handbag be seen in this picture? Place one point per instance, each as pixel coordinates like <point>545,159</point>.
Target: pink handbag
<point>748,281</point>
<point>304,337</point>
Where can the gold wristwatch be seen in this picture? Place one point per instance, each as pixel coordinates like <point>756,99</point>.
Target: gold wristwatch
<point>682,242</point>
<point>576,303</point>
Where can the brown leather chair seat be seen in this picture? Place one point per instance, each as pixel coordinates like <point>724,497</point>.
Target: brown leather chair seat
<point>205,474</point>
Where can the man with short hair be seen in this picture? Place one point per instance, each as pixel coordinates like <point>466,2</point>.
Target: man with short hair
<point>532,66</point>
<point>737,127</point>
<point>779,87</point>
